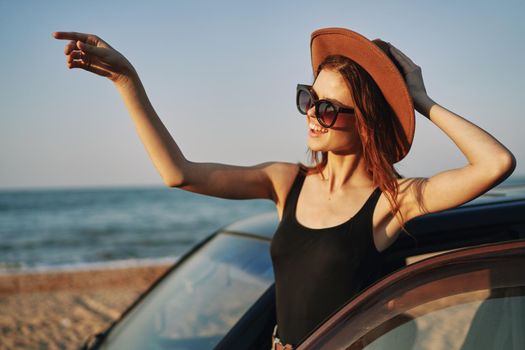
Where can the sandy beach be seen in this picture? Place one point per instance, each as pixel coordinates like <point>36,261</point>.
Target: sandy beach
<point>59,310</point>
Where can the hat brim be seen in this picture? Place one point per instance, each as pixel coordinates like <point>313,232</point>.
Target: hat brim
<point>370,56</point>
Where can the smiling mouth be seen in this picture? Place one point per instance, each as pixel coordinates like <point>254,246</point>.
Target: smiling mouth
<point>317,130</point>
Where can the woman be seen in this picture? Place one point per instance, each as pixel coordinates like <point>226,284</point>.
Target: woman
<point>360,112</point>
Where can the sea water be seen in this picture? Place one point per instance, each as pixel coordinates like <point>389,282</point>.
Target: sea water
<point>57,228</point>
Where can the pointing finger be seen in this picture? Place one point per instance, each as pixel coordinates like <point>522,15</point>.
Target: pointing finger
<point>71,35</point>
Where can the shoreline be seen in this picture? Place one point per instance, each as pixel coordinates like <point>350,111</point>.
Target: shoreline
<point>57,309</point>
<point>86,266</point>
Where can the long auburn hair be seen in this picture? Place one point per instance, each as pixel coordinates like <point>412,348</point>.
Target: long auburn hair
<point>380,132</point>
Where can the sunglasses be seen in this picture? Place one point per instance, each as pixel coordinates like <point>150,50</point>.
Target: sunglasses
<point>326,111</point>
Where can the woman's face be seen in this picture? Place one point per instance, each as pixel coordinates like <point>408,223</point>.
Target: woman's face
<point>342,137</point>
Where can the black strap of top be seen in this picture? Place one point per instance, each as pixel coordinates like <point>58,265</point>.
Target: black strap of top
<point>293,196</point>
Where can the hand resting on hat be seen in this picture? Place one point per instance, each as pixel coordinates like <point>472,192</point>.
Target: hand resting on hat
<point>91,53</point>
<point>414,80</point>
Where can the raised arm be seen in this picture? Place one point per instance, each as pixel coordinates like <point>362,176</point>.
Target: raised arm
<point>91,53</point>
<point>489,161</point>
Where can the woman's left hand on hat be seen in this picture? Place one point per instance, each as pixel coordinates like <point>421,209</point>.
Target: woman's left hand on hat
<point>414,81</point>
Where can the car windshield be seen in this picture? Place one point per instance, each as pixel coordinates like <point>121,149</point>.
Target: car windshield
<point>199,301</point>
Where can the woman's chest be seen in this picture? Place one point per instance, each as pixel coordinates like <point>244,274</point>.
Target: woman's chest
<point>315,213</point>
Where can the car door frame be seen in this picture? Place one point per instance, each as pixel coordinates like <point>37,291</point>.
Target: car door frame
<point>482,256</point>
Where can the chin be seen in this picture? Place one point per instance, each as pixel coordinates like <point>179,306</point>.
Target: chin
<point>326,147</point>
<point>317,147</point>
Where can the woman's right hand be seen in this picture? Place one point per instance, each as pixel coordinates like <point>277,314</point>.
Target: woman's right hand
<point>91,53</point>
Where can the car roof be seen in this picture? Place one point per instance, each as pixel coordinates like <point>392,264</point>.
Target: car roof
<point>510,193</point>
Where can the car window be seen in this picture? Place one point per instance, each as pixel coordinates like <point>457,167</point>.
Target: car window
<point>470,321</point>
<point>463,300</point>
<point>201,300</point>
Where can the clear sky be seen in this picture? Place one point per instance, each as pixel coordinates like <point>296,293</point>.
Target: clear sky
<point>222,76</point>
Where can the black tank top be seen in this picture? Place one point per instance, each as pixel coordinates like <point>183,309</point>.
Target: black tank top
<point>318,270</point>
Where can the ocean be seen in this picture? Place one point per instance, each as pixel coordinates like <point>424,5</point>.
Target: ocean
<point>83,228</point>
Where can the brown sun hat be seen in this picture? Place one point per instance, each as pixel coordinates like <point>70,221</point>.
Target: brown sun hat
<point>374,56</point>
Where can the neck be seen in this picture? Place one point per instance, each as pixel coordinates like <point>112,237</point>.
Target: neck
<point>345,171</point>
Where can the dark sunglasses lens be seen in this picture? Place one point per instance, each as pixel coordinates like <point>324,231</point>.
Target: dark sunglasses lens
<point>327,113</point>
<point>304,101</point>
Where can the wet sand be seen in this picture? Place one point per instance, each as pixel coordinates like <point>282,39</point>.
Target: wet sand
<point>59,310</point>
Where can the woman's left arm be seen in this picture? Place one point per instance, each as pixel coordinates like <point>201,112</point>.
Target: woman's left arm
<point>490,162</point>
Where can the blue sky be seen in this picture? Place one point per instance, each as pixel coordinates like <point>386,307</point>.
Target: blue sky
<point>222,76</point>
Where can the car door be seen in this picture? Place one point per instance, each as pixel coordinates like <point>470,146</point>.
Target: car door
<point>472,298</point>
